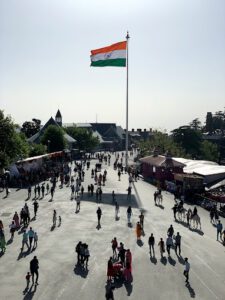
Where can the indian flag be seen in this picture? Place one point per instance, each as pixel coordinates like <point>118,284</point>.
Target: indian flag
<point>111,56</point>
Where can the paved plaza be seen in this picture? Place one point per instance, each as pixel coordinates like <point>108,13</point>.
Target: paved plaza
<point>59,278</point>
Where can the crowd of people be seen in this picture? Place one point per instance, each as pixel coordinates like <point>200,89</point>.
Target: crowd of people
<point>119,265</point>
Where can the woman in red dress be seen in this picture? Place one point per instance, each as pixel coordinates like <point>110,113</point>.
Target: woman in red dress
<point>110,270</point>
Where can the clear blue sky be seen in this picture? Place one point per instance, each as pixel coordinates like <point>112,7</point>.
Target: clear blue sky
<point>177,60</point>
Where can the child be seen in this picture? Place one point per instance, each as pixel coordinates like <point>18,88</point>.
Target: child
<point>28,279</point>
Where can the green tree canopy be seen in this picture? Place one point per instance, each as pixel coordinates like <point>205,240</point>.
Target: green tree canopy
<point>30,128</point>
<point>85,139</point>
<point>163,143</point>
<point>53,138</point>
<point>13,145</point>
<point>189,139</point>
<point>209,151</point>
<point>37,149</point>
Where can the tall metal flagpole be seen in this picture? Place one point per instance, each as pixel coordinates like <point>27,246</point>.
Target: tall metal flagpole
<point>127,37</point>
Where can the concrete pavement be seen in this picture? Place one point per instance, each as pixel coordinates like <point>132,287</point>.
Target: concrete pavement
<point>152,279</point>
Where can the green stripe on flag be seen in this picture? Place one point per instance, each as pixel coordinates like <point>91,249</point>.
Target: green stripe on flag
<point>119,62</point>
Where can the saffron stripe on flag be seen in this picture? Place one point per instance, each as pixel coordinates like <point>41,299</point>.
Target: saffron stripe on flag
<point>117,46</point>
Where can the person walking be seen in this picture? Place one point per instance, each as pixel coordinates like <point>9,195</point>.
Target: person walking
<point>110,271</point>
<point>100,193</point>
<point>31,236</point>
<point>36,205</point>
<point>47,188</point>
<point>219,228</point>
<point>82,191</point>
<point>72,191</point>
<point>28,279</point>
<point>129,192</point>
<point>29,192</point>
<point>77,205</point>
<point>174,208</point>
<point>170,231</point>
<point>35,191</point>
<point>169,244</point>
<point>141,218</point>
<point>43,190</point>
<point>138,231</point>
<point>121,254</point>
<point>114,247</point>
<point>117,209</point>
<point>35,240</point>
<point>52,192</point>
<point>216,216</point>
<point>161,245</point>
<point>178,243</point>
<point>78,251</point>
<point>186,269</point>
<point>39,191</point>
<point>151,243</point>
<point>24,240</point>
<point>129,213</point>
<point>119,174</point>
<point>12,227</point>
<point>113,197</point>
<point>34,266</point>
<point>86,255</point>
<point>16,219</point>
<point>195,212</point>
<point>2,241</point>
<point>211,214</point>
<point>99,215</point>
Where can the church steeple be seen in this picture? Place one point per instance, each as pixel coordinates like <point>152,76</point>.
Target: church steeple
<point>58,118</point>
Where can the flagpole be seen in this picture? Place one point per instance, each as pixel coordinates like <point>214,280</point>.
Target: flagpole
<point>127,37</point>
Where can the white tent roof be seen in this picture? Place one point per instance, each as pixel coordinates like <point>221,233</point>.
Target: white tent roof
<point>201,167</point>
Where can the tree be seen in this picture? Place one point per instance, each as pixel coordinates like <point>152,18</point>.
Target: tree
<point>209,151</point>
<point>85,139</point>
<point>163,143</point>
<point>37,149</point>
<point>195,124</point>
<point>53,138</point>
<point>30,128</point>
<point>189,139</point>
<point>218,120</point>
<point>13,145</point>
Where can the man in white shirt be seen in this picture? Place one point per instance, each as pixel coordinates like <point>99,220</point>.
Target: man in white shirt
<point>186,269</point>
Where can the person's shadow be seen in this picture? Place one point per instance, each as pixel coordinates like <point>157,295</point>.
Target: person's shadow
<point>191,290</point>
<point>29,293</point>
<point>181,260</point>
<point>9,241</point>
<point>163,260</point>
<point>80,270</point>
<point>98,226</point>
<point>153,259</point>
<point>171,261</point>
<point>129,288</point>
<point>140,243</point>
<point>199,231</point>
<point>160,206</point>
<point>53,227</point>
